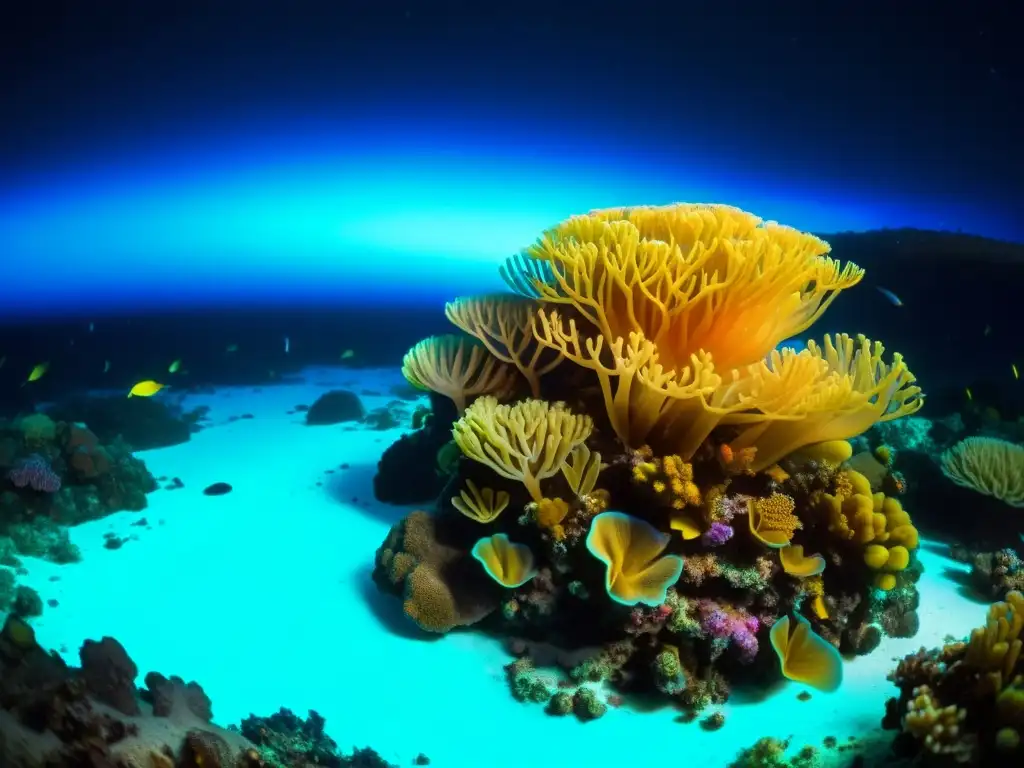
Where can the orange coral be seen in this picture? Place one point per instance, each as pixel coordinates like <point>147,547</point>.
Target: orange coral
<point>670,476</point>
<point>551,512</point>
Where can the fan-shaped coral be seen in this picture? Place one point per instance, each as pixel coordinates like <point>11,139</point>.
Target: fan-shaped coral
<point>528,441</point>
<point>508,563</point>
<point>504,324</point>
<point>458,368</point>
<point>631,549</point>
<point>483,506</point>
<point>988,465</point>
<point>806,658</point>
<point>853,390</point>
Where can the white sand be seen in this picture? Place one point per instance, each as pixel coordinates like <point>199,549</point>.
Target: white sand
<point>264,596</point>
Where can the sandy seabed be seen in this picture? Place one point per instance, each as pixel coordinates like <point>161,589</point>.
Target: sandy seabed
<point>264,596</point>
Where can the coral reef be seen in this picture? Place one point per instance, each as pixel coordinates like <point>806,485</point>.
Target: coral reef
<point>285,740</point>
<point>58,473</point>
<point>645,469</point>
<point>143,423</point>
<point>963,703</point>
<point>52,714</point>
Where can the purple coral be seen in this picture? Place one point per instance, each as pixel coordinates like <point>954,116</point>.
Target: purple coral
<point>35,472</point>
<point>717,534</point>
<point>730,506</point>
<point>731,624</point>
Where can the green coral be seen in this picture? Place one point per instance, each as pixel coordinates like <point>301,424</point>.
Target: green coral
<point>768,752</point>
<point>560,704</point>
<point>587,706</point>
<point>525,683</point>
<point>592,670</point>
<point>669,676</point>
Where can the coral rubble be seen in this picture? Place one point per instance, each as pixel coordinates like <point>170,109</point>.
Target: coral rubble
<point>642,468</point>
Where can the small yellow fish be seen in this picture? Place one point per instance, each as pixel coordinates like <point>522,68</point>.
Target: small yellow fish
<point>232,348</point>
<point>146,388</point>
<point>967,392</point>
<point>106,366</point>
<point>348,354</point>
<point>173,367</point>
<point>1016,373</point>
<point>38,372</point>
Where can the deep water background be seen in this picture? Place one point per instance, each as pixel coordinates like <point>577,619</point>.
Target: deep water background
<point>190,176</point>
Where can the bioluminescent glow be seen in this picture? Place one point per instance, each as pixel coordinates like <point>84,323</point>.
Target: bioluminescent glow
<point>315,220</point>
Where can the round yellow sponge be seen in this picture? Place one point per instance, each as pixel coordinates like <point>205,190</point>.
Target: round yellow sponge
<point>876,556</point>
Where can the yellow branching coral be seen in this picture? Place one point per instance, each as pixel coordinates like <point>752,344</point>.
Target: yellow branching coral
<point>693,279</point>
<point>853,390</point>
<point>458,368</point>
<point>988,465</point>
<point>639,393</point>
<point>528,441</point>
<point>582,469</point>
<point>504,325</point>
<point>772,520</point>
<point>939,728</point>
<point>483,506</point>
<point>996,647</point>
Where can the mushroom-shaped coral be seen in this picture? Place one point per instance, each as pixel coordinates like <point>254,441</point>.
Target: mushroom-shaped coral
<point>508,563</point>
<point>631,549</point>
<point>806,658</point>
<point>796,563</point>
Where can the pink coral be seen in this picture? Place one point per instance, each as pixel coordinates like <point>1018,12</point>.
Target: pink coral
<point>727,623</point>
<point>34,472</point>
